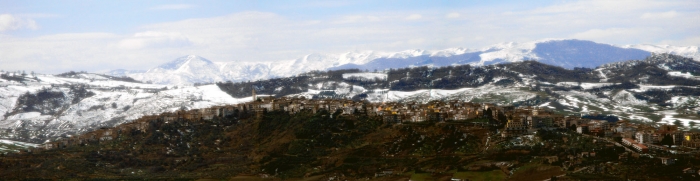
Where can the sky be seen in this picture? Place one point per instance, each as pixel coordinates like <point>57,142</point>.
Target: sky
<point>55,36</point>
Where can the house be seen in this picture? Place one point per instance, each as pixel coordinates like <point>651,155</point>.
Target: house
<point>584,154</point>
<point>640,148</point>
<point>551,159</point>
<point>644,137</point>
<point>47,146</point>
<point>667,161</point>
<point>689,171</point>
<point>106,134</point>
<point>677,137</point>
<point>209,113</point>
<point>384,173</point>
<point>582,129</point>
<point>691,139</point>
<point>628,141</point>
<point>514,127</point>
<point>391,117</point>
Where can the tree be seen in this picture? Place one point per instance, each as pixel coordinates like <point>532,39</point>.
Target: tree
<point>678,123</point>
<point>691,124</point>
<point>667,140</point>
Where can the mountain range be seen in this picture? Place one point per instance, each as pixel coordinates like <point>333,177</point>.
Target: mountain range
<point>569,54</point>
<point>659,88</point>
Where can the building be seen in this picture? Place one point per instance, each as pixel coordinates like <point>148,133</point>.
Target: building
<point>640,148</point>
<point>514,127</point>
<point>689,171</point>
<point>628,141</point>
<point>582,129</point>
<point>644,137</point>
<point>667,161</point>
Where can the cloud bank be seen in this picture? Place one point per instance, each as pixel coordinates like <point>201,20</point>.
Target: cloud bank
<point>10,22</point>
<point>260,36</point>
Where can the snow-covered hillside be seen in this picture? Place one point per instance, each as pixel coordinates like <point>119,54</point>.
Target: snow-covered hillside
<point>689,51</point>
<point>50,106</point>
<point>641,90</point>
<point>193,69</point>
<point>10,146</point>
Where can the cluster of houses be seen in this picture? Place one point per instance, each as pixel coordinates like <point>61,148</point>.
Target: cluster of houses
<point>641,137</point>
<point>390,112</point>
<point>645,137</point>
<point>518,120</point>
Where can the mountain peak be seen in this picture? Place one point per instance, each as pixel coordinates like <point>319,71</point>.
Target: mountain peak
<point>184,60</point>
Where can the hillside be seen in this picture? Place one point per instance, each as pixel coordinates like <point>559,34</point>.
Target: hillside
<point>278,144</point>
<point>314,144</point>
<point>37,108</point>
<point>661,88</point>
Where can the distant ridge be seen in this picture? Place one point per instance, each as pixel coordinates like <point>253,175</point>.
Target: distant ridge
<point>193,69</point>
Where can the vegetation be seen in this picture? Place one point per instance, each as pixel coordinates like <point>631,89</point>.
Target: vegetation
<point>279,144</point>
<point>73,74</point>
<point>330,144</point>
<point>50,101</point>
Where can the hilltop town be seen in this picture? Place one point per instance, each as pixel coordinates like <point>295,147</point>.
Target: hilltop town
<point>511,121</point>
<point>337,129</point>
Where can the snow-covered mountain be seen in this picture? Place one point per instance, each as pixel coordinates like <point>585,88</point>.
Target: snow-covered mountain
<point>187,69</point>
<point>123,72</point>
<point>565,53</point>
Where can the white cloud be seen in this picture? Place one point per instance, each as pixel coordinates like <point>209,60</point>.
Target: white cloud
<point>173,7</point>
<point>660,15</point>
<point>155,39</point>
<point>267,36</point>
<point>603,33</point>
<point>349,19</point>
<point>619,34</point>
<point>684,41</point>
<point>10,22</point>
<point>60,52</point>
<point>414,17</point>
<point>600,6</point>
<point>356,19</point>
<point>452,15</point>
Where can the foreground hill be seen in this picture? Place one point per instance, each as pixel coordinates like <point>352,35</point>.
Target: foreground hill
<point>278,144</point>
<point>251,145</point>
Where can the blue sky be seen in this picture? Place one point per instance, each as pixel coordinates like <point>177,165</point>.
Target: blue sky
<point>58,36</point>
